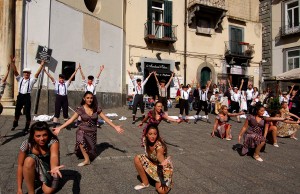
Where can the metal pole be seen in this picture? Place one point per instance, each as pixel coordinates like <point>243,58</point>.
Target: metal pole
<point>185,39</point>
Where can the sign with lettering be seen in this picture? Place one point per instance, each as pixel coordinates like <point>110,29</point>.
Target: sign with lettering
<point>43,53</point>
<point>157,65</point>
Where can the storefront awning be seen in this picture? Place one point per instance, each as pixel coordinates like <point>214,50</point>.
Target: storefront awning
<point>289,75</point>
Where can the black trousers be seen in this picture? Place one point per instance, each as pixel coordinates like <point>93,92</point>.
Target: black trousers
<point>61,102</point>
<point>249,106</point>
<point>184,105</point>
<point>164,102</point>
<point>203,104</point>
<point>23,100</point>
<point>138,100</point>
<point>235,106</point>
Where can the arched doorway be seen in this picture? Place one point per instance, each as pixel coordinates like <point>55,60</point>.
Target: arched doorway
<point>205,75</point>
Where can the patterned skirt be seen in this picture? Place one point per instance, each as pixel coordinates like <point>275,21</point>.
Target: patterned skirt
<point>251,140</point>
<point>285,129</point>
<point>87,138</point>
<point>42,172</point>
<point>159,175</point>
<point>222,130</point>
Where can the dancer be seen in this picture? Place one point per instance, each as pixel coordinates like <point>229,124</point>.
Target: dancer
<point>253,130</point>
<point>25,84</point>
<point>155,163</point>
<point>39,160</point>
<point>61,91</point>
<point>86,135</point>
<point>221,127</point>
<point>3,84</point>
<point>163,91</point>
<point>138,95</point>
<point>235,98</point>
<point>203,102</point>
<point>154,117</point>
<point>90,85</point>
<point>290,127</point>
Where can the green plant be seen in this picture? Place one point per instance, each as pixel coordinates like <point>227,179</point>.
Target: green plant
<point>273,104</point>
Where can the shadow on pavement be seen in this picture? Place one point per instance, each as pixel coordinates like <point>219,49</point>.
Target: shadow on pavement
<point>68,175</point>
<point>9,138</point>
<point>103,146</point>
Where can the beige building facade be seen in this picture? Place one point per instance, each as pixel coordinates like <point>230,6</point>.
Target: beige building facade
<point>221,40</point>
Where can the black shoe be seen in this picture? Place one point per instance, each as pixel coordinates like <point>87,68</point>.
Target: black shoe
<point>15,124</point>
<point>195,121</point>
<point>25,131</point>
<point>133,122</point>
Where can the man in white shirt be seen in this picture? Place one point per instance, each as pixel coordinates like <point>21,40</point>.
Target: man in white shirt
<point>203,101</point>
<point>61,91</point>
<point>183,103</point>
<point>25,84</point>
<point>138,98</point>
<point>235,99</point>
<point>249,95</point>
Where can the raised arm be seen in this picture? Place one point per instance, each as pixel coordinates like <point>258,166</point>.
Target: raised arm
<point>229,83</point>
<point>242,82</point>
<point>73,75</point>
<point>208,84</point>
<point>291,89</point>
<point>131,76</point>
<point>157,82</point>
<point>101,69</point>
<point>170,78</point>
<point>81,72</point>
<point>14,68</point>
<point>6,75</point>
<point>36,75</point>
<point>49,75</point>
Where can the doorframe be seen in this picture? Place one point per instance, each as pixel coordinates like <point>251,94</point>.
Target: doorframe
<point>211,67</point>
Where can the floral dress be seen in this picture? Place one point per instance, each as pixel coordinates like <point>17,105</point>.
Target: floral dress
<point>86,134</point>
<point>223,126</point>
<point>42,163</point>
<point>286,129</point>
<point>254,135</point>
<point>150,165</point>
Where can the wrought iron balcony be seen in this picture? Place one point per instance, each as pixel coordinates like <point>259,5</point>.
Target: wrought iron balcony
<point>242,49</point>
<point>289,29</point>
<point>210,3</point>
<point>160,32</point>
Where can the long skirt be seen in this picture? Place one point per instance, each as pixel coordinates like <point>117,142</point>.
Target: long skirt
<point>286,129</point>
<point>222,130</point>
<point>251,140</point>
<point>88,139</point>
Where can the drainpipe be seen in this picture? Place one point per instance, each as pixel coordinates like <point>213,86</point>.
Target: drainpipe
<point>185,38</point>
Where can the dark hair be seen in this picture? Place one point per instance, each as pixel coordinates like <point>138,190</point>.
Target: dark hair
<point>152,126</point>
<point>162,81</point>
<point>61,76</point>
<point>39,126</point>
<point>203,87</point>
<point>138,80</point>
<point>93,105</point>
<point>154,112</point>
<point>256,109</point>
<point>90,77</point>
<point>274,113</point>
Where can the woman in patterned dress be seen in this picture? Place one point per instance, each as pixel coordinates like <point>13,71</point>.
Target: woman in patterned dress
<point>221,127</point>
<point>290,127</point>
<point>154,117</point>
<point>252,132</point>
<point>39,155</point>
<point>86,135</point>
<point>155,162</point>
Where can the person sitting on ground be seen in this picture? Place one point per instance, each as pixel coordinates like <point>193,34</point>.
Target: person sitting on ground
<point>290,127</point>
<point>221,127</point>
<point>252,131</point>
<point>155,163</point>
<point>271,127</point>
<point>86,135</point>
<point>38,159</point>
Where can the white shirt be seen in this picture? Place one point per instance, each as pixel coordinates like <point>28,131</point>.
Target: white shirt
<point>139,89</point>
<point>61,89</point>
<point>249,94</point>
<point>282,99</point>
<point>215,90</point>
<point>235,96</point>
<point>203,95</point>
<point>90,88</point>
<point>25,85</point>
<point>185,94</point>
<point>163,92</point>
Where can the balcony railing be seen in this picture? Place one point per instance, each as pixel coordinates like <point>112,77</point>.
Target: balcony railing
<point>239,48</point>
<point>211,3</point>
<point>289,29</point>
<point>159,31</point>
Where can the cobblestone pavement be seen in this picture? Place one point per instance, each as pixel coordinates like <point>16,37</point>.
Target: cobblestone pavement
<point>202,164</point>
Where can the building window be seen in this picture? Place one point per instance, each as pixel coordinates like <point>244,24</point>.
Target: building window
<point>293,58</point>
<point>203,26</point>
<point>236,38</point>
<point>292,16</point>
<point>160,18</point>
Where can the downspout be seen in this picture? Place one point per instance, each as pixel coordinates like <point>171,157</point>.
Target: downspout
<point>185,40</point>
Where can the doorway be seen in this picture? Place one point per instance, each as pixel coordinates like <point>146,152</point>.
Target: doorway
<point>205,75</point>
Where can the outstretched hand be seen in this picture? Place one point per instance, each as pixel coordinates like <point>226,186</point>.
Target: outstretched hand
<point>101,67</point>
<point>140,125</point>
<point>119,129</point>
<point>55,171</point>
<point>56,131</point>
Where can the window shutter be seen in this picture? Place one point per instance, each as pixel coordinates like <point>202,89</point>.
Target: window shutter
<point>149,16</point>
<point>285,60</point>
<point>168,18</point>
<point>283,18</point>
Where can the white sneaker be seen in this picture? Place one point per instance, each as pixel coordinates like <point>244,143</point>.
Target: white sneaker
<point>276,145</point>
<point>141,186</point>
